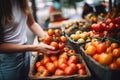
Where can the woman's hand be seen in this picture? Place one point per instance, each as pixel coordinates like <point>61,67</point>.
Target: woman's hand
<point>46,49</point>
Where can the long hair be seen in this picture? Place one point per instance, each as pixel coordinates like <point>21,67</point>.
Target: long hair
<point>6,9</point>
<point>6,14</point>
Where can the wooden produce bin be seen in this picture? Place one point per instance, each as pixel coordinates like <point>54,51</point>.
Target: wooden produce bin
<point>64,77</point>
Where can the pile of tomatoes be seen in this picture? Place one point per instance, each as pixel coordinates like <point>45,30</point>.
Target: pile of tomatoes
<point>64,63</point>
<point>106,53</point>
<point>111,26</point>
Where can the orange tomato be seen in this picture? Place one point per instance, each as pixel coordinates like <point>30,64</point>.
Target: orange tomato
<point>63,39</point>
<point>101,48</point>
<point>91,50</point>
<point>47,39</point>
<point>71,51</point>
<point>69,71</point>
<point>80,66</point>
<point>37,64</point>
<point>114,45</point>
<point>59,72</point>
<point>50,32</point>
<point>113,66</point>
<point>46,59</point>
<point>63,66</point>
<point>57,32</point>
<point>118,61</point>
<point>54,44</point>
<point>96,57</point>
<point>82,72</point>
<point>116,52</point>
<point>53,57</point>
<point>50,67</point>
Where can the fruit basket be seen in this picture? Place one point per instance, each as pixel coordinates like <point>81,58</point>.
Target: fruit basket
<point>102,69</point>
<point>61,77</point>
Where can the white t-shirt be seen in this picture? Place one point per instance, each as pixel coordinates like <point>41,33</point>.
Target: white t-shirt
<point>15,31</point>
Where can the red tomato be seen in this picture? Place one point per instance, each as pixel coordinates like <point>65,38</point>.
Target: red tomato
<point>72,51</point>
<point>40,68</point>
<point>50,67</point>
<point>96,57</point>
<point>38,64</point>
<point>59,72</point>
<point>55,63</point>
<point>53,57</point>
<point>63,56</point>
<point>73,66</point>
<point>101,47</point>
<point>80,66</point>
<point>63,66</point>
<point>69,71</point>
<point>61,61</point>
<point>47,39</point>
<point>63,39</point>
<point>72,59</point>
<point>46,59</point>
<point>42,73</point>
<point>50,32</point>
<point>82,72</point>
<point>61,45</point>
<point>54,44</point>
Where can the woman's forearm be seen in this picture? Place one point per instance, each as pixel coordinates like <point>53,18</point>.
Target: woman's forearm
<point>9,47</point>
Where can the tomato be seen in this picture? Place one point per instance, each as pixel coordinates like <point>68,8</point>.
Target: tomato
<point>109,50</point>
<point>96,27</point>
<point>114,45</point>
<point>96,57</point>
<point>73,66</point>
<point>37,64</point>
<point>82,72</point>
<point>47,39</point>
<point>107,43</point>
<point>61,61</point>
<point>66,49</point>
<point>50,32</point>
<point>53,57</point>
<point>69,71</point>
<point>118,61</point>
<point>54,44</point>
<point>55,63</point>
<point>80,66</point>
<point>72,59</point>
<point>101,48</point>
<point>63,56</point>
<point>91,50</point>
<point>110,27</point>
<point>56,39</point>
<point>113,66</point>
<point>63,66</point>
<point>61,45</point>
<point>63,39</point>
<point>57,32</point>
<point>40,68</point>
<point>105,58</point>
<point>71,51</point>
<point>42,73</point>
<point>50,67</point>
<point>46,59</point>
<point>87,44</point>
<point>116,52</point>
<point>59,72</point>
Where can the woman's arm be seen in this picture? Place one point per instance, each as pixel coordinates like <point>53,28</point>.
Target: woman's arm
<point>35,27</point>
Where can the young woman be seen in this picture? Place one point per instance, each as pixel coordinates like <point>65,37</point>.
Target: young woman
<point>15,15</point>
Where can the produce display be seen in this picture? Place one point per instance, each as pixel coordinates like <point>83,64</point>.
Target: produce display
<point>66,63</point>
<point>106,53</point>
